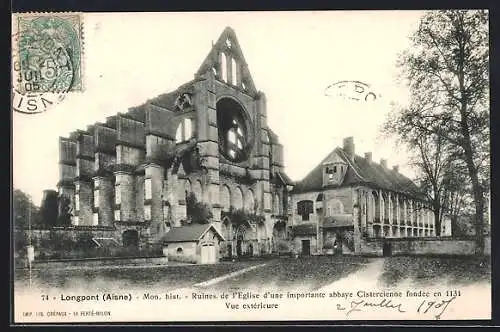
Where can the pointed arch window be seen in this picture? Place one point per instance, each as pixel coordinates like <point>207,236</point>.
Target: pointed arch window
<point>96,198</point>
<point>95,219</point>
<point>184,131</point>
<point>223,66</point>
<point>148,191</point>
<point>147,212</point>
<point>118,194</point>
<point>234,72</point>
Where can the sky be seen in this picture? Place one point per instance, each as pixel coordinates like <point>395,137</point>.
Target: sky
<point>292,56</point>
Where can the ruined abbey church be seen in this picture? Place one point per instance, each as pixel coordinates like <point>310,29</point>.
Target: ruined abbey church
<point>135,173</point>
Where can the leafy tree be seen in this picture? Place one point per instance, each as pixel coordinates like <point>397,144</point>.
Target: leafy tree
<point>64,211</point>
<point>446,69</point>
<point>49,208</point>
<point>197,212</point>
<point>24,210</point>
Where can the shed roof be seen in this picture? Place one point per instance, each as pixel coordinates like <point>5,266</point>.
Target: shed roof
<point>190,233</point>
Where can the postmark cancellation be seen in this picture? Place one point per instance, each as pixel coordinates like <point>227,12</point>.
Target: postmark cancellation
<point>47,54</point>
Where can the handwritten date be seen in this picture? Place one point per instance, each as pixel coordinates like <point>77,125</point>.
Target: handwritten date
<point>437,307</point>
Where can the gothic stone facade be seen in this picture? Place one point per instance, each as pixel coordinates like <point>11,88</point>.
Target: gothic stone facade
<point>348,199</point>
<point>133,173</point>
<point>210,137</point>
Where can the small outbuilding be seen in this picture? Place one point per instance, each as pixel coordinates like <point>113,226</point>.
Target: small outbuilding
<point>197,244</point>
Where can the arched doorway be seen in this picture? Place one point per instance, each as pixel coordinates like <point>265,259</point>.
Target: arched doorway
<point>130,238</point>
<point>243,247</point>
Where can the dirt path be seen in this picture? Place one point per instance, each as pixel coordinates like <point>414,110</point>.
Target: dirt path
<point>366,277</point>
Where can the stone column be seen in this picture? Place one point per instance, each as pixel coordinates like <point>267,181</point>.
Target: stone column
<point>389,208</point>
<point>155,174</point>
<point>370,208</point>
<point>83,183</point>
<point>364,210</point>
<point>405,218</point>
<point>208,137</point>
<point>398,217</point>
<point>125,183</point>
<point>410,210</point>
<point>105,186</point>
<point>67,174</point>
<point>381,207</point>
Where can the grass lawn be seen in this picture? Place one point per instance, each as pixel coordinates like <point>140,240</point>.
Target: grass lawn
<point>425,270</point>
<point>306,273</point>
<point>127,278</point>
<point>288,273</point>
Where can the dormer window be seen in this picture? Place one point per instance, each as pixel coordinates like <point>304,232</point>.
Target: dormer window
<point>333,173</point>
<point>331,170</point>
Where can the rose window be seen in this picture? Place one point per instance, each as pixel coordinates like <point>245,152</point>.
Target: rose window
<point>234,130</point>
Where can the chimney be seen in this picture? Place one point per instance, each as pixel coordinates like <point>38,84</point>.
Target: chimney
<point>349,147</point>
<point>395,168</point>
<point>368,157</point>
<point>383,163</point>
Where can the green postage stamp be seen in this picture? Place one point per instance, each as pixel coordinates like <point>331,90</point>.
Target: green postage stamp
<point>49,50</point>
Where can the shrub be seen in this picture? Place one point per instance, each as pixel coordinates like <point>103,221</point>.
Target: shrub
<point>182,258</point>
<point>284,246</point>
<point>198,213</point>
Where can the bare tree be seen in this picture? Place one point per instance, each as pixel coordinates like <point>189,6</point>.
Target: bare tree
<point>446,68</point>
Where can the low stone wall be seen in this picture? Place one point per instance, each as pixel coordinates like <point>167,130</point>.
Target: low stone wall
<point>433,247</point>
<point>70,233</point>
<point>421,246</point>
<point>91,262</point>
<point>371,247</point>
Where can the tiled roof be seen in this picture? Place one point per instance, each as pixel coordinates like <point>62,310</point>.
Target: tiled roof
<point>361,171</point>
<point>285,178</point>
<point>188,233</point>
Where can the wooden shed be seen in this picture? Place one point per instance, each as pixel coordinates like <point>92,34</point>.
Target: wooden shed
<point>193,244</point>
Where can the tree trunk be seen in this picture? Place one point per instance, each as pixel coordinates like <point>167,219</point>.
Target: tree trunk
<point>479,217</point>
<point>437,218</point>
<point>477,190</point>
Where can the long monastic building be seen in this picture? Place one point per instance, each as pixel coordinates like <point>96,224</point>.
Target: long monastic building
<point>135,172</point>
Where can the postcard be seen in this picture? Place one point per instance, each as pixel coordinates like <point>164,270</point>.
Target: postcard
<point>250,166</point>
